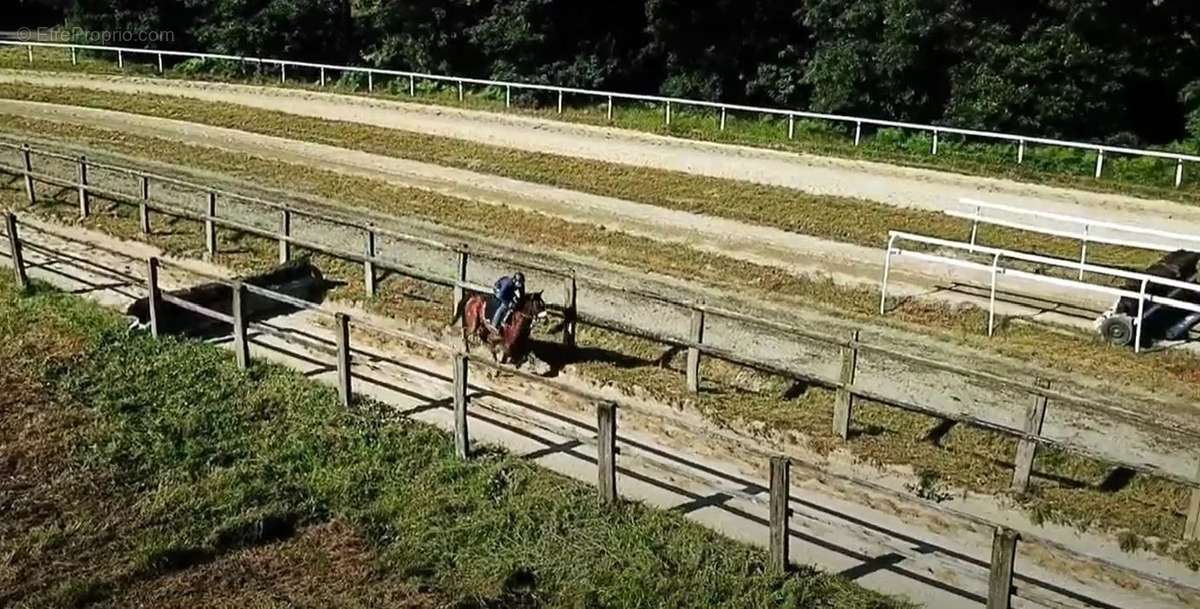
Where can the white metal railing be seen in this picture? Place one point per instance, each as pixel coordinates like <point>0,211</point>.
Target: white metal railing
<point>858,121</point>
<point>995,270</point>
<point>1084,234</point>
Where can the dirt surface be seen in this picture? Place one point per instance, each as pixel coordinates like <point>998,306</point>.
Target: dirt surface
<point>674,459</point>
<point>796,253</point>
<point>1141,439</point>
<point>899,186</point>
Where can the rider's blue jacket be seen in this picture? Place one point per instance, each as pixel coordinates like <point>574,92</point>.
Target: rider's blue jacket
<point>507,290</point>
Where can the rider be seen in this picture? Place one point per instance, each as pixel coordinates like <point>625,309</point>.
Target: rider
<point>508,291</point>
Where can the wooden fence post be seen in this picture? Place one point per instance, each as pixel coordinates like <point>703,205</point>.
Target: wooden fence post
<point>210,226</point>
<point>153,296</point>
<point>85,203</point>
<point>570,311</point>
<point>459,278</point>
<point>780,486</point>
<point>342,328</point>
<point>144,205</point>
<point>285,235</point>
<point>1035,414</point>
<point>844,406</point>
<point>1191,529</point>
<point>693,358</point>
<point>14,248</point>
<point>1004,554</point>
<point>606,451</point>
<point>26,156</point>
<point>369,264</point>
<point>462,438</point>
<point>241,345</point>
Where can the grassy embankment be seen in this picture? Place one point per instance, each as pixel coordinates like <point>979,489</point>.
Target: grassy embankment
<point>966,459</point>
<point>155,472</point>
<point>1042,165</point>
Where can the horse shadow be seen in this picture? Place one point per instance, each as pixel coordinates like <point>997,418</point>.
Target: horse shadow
<point>298,279</point>
<point>558,356</point>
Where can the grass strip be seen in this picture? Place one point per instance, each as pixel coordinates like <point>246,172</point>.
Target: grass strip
<point>1145,177</point>
<point>206,461</point>
<point>1068,489</point>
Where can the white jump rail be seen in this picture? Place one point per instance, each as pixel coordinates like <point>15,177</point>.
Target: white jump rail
<point>995,270</point>
<point>1022,141</point>
<point>1084,234</point>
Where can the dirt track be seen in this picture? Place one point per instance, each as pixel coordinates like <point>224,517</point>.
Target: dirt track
<point>672,459</point>
<point>793,252</point>
<point>945,392</point>
<point>872,181</point>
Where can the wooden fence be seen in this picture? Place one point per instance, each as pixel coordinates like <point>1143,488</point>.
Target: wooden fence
<point>1001,589</point>
<point>1029,436</point>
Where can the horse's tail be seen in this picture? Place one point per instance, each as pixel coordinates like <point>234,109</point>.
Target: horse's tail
<point>460,311</point>
<point>460,314</point>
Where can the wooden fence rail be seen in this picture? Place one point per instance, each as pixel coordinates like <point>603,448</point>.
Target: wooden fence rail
<point>847,392</point>
<point>1004,544</point>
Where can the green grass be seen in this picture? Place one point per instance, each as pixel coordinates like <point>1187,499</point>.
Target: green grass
<point>1066,490</point>
<point>204,463</point>
<point>1044,165</point>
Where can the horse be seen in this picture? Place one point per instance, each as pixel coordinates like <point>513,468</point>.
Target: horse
<point>513,337</point>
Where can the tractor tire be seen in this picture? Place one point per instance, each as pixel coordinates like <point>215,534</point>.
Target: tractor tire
<point>1117,330</point>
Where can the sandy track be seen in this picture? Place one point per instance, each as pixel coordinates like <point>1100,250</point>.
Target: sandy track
<point>671,460</point>
<point>872,181</point>
<point>949,393</point>
<point>796,253</point>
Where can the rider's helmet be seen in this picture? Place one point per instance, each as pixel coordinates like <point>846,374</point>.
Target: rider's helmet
<point>519,279</point>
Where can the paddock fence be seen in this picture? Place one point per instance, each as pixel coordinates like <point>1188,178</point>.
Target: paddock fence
<point>1001,572</point>
<point>322,72</point>
<point>844,374</point>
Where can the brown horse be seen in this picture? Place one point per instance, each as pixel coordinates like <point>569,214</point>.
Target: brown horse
<point>511,339</point>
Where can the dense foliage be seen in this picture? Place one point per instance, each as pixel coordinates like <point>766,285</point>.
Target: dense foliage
<point>1121,72</point>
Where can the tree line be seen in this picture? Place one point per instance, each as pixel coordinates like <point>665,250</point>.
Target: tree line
<point>1117,71</point>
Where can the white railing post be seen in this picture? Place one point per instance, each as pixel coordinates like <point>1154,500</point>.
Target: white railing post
<point>412,85</point>
<point>322,77</point>
<point>791,126</point>
<point>282,73</point>
<point>935,142</point>
<point>975,224</point>
<point>370,81</point>
<point>74,57</point>
<point>1179,173</point>
<point>668,114</point>
<point>722,119</point>
<point>610,108</point>
<point>992,297</point>
<point>1099,162</point>
<point>1083,243</point>
<point>460,90</point>
<point>120,60</point>
<point>1020,151</point>
<point>84,197</point>
<point>857,132</point>
<point>560,101</point>
<point>160,63</point>
<point>1137,335</point>
<point>887,267</point>
<point>507,96</point>
<point>30,47</point>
